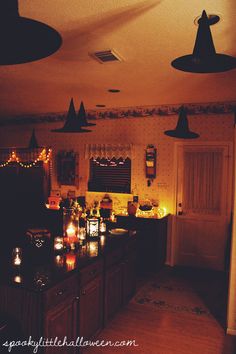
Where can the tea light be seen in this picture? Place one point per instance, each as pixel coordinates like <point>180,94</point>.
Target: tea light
<point>70,261</point>
<point>17,256</point>
<point>17,279</point>
<point>103,227</point>
<point>71,231</point>
<point>58,243</point>
<point>59,261</point>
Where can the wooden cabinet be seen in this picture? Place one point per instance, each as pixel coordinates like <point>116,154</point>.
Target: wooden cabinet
<point>151,241</point>
<point>120,279</point>
<point>61,321</point>
<point>91,300</point>
<point>129,276</point>
<point>113,291</point>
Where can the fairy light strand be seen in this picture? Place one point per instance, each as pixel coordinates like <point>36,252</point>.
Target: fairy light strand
<point>44,156</point>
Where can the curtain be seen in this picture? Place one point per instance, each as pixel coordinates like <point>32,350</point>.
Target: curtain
<point>108,151</point>
<point>202,181</point>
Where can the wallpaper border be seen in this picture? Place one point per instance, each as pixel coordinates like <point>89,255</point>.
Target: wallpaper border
<point>126,112</point>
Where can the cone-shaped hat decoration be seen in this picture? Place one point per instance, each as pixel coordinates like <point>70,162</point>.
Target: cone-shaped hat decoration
<point>24,40</point>
<point>72,123</point>
<point>204,58</point>
<point>82,117</point>
<point>182,129</point>
<point>33,144</point>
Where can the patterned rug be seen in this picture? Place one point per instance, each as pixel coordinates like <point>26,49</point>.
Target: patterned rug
<point>174,291</point>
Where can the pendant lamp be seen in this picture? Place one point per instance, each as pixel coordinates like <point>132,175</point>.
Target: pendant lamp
<point>22,39</point>
<point>82,117</point>
<point>72,123</point>
<point>33,144</point>
<point>204,58</point>
<point>182,129</point>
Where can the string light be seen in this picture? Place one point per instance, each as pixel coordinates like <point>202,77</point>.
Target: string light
<point>44,156</point>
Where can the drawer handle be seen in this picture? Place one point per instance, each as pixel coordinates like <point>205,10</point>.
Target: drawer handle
<point>60,292</point>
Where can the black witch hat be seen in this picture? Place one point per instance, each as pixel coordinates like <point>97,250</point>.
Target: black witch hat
<point>33,144</point>
<point>22,39</point>
<point>83,117</point>
<point>204,58</point>
<point>182,129</point>
<point>72,123</point>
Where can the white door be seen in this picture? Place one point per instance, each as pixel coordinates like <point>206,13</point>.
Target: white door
<point>203,205</point>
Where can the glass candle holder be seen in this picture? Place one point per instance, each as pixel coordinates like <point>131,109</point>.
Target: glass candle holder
<point>58,244</point>
<point>17,256</point>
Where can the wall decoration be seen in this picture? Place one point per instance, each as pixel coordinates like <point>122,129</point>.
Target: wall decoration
<point>67,168</point>
<point>127,112</point>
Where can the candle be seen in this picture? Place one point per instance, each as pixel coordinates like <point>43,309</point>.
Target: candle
<point>103,227</point>
<point>16,256</point>
<point>17,279</point>
<point>70,261</point>
<point>70,230</point>
<point>59,261</point>
<point>58,243</point>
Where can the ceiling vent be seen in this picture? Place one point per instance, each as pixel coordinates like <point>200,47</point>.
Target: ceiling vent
<point>106,56</point>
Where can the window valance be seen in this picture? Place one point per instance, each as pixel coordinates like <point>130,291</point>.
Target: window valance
<point>108,150</point>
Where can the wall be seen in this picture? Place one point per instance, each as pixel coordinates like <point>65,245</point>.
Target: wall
<point>140,132</point>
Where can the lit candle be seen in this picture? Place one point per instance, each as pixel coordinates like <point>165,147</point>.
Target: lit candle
<point>17,279</point>
<point>70,230</point>
<point>16,256</point>
<point>70,261</point>
<point>58,243</point>
<point>103,227</point>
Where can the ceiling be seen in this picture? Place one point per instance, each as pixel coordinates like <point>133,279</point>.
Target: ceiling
<point>147,35</point>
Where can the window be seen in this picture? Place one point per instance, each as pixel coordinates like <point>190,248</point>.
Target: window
<point>110,175</point>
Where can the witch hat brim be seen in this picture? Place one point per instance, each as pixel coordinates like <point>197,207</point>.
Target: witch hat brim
<point>82,117</point>
<point>204,58</point>
<point>214,64</point>
<point>22,39</point>
<point>71,130</point>
<point>182,130</point>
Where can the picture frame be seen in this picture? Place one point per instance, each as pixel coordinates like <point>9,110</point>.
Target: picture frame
<point>67,168</point>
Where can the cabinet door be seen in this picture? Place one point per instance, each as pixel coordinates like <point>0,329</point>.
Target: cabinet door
<point>91,308</point>
<point>61,322</point>
<point>129,276</point>
<point>113,291</point>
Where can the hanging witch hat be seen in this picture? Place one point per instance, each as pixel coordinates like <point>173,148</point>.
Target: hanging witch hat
<point>83,117</point>
<point>22,39</point>
<point>204,58</point>
<point>33,144</point>
<point>72,123</point>
<point>182,129</point>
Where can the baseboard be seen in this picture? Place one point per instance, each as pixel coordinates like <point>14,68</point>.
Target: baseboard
<point>231,331</point>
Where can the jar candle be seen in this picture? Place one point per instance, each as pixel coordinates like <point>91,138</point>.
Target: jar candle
<point>71,232</point>
<point>58,244</point>
<point>17,256</point>
<point>70,261</point>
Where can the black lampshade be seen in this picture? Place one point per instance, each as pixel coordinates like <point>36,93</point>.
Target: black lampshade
<point>33,144</point>
<point>24,40</point>
<point>72,123</point>
<point>204,58</point>
<point>83,117</point>
<point>182,129</point>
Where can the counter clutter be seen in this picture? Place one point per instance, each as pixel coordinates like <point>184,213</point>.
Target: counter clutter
<point>72,294</point>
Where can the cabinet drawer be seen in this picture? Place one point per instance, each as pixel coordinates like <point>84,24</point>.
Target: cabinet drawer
<point>90,272</point>
<point>64,290</point>
<point>114,257</point>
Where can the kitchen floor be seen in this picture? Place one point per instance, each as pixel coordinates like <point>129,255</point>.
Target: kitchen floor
<point>176,311</point>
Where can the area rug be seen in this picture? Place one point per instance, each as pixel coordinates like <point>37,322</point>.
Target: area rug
<point>169,291</point>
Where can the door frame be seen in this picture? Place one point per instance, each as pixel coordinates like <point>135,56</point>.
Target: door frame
<point>229,203</point>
